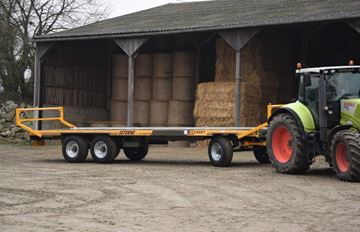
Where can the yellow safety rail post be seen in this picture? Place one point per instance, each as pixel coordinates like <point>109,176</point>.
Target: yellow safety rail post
<point>20,121</point>
<point>270,109</point>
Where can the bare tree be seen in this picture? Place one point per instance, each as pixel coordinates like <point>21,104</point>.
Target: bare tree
<point>20,20</point>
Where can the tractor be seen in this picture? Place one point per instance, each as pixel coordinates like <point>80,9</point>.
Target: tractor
<point>323,120</point>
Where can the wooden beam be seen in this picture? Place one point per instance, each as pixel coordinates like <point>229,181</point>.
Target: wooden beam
<point>355,24</point>
<point>40,50</point>
<point>237,39</point>
<point>109,76</point>
<point>237,89</point>
<point>130,47</point>
<point>130,103</point>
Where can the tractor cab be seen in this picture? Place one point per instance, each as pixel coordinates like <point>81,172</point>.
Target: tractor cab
<point>341,83</point>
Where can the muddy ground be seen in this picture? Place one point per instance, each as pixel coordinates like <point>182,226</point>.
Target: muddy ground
<point>171,190</point>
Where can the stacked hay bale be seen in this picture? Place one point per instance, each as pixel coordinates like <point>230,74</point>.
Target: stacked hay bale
<point>143,89</point>
<point>215,101</point>
<point>182,101</point>
<point>225,62</point>
<point>119,92</point>
<point>214,106</point>
<point>162,88</point>
<point>264,74</point>
<point>183,93</point>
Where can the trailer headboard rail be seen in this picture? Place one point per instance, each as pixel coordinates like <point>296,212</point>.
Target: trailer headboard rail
<point>20,120</point>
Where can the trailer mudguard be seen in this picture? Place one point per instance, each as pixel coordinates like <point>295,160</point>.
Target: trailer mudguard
<point>301,113</point>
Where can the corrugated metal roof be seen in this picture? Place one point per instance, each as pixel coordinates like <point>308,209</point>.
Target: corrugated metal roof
<point>213,15</point>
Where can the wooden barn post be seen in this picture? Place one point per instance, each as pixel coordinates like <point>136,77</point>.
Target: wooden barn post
<point>130,46</point>
<point>237,39</point>
<point>40,50</point>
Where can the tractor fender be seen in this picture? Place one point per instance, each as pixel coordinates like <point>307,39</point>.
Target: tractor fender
<point>336,130</point>
<point>301,114</point>
<point>286,111</point>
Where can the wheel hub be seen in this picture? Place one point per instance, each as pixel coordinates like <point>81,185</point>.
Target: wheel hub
<point>72,149</point>
<point>100,149</point>
<point>216,151</point>
<point>282,144</point>
<point>341,160</point>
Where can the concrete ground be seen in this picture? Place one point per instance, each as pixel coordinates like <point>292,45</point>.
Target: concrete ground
<point>171,190</point>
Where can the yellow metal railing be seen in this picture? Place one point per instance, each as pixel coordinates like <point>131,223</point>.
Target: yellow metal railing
<point>20,121</point>
<point>270,109</point>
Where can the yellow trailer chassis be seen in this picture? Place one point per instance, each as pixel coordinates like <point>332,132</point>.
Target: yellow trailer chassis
<point>239,138</point>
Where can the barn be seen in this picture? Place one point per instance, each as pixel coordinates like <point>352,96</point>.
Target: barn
<point>212,63</point>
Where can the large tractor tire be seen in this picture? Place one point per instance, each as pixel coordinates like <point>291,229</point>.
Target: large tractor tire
<point>286,145</point>
<point>345,155</point>
<point>220,151</point>
<point>261,155</point>
<point>75,149</point>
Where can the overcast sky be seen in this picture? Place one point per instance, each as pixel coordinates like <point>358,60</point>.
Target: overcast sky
<point>122,7</point>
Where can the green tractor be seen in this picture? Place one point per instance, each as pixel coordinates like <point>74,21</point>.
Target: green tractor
<point>325,120</point>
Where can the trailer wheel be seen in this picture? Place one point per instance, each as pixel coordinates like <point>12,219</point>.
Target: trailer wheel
<point>345,155</point>
<point>75,149</point>
<point>261,155</point>
<point>220,151</point>
<point>136,153</point>
<point>103,149</point>
<point>286,146</point>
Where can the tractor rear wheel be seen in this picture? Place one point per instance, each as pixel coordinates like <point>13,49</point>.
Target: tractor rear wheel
<point>345,155</point>
<point>261,155</point>
<point>286,146</point>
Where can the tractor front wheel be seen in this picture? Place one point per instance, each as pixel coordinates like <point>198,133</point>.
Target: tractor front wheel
<point>286,146</point>
<point>345,155</point>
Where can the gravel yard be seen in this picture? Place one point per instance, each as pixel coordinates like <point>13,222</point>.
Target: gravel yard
<point>171,190</point>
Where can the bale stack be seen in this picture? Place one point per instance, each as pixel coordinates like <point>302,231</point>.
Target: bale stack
<point>143,89</point>
<point>162,88</point>
<point>119,91</point>
<point>182,101</point>
<point>214,106</point>
<point>225,62</point>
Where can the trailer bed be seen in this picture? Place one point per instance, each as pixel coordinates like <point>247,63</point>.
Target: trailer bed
<point>135,140</point>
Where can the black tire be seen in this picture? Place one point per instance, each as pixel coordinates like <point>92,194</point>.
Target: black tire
<point>136,153</point>
<point>287,152</point>
<point>261,155</point>
<point>346,163</point>
<point>103,149</point>
<point>75,149</point>
<point>220,151</point>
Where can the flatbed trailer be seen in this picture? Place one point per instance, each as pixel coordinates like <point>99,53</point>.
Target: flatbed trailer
<point>105,143</point>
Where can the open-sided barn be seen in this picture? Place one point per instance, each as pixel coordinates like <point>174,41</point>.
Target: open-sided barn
<point>142,69</point>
